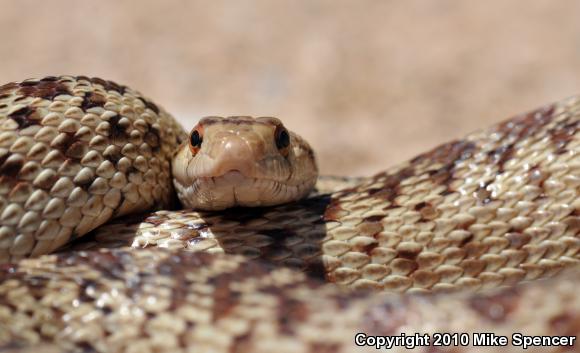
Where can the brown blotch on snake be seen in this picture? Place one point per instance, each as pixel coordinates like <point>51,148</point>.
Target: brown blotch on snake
<point>92,99</point>
<point>46,89</point>
<point>25,117</point>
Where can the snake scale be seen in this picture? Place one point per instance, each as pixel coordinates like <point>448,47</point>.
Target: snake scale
<point>436,244</point>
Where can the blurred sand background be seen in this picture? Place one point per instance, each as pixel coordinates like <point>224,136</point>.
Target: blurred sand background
<point>369,83</point>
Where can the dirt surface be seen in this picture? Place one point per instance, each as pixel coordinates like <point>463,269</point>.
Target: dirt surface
<point>369,83</point>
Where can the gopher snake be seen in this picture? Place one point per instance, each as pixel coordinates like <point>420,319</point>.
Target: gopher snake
<point>495,208</point>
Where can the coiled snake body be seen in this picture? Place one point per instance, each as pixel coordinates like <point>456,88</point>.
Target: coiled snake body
<point>493,209</point>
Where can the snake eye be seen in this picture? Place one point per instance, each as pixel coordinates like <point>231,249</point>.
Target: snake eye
<point>282,138</point>
<point>195,140</point>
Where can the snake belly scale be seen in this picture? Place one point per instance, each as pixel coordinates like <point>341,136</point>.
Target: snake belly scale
<point>478,214</point>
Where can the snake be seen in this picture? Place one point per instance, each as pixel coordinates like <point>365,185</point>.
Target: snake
<point>121,232</point>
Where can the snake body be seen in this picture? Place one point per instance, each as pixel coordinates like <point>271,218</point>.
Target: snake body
<point>76,152</point>
<point>478,214</point>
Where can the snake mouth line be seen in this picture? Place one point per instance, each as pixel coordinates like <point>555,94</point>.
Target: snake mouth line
<point>234,189</point>
<point>233,174</point>
<point>236,177</point>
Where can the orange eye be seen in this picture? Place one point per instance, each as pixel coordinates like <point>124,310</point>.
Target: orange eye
<point>282,138</point>
<point>196,139</point>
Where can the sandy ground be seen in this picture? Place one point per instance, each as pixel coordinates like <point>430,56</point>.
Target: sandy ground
<point>369,83</point>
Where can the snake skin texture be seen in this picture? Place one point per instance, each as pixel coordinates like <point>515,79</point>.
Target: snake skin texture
<point>480,214</point>
<point>75,152</point>
<point>495,208</point>
<point>156,300</point>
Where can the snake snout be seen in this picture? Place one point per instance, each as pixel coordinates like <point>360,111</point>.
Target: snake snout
<point>236,154</point>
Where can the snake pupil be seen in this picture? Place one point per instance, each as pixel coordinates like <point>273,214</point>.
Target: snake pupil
<point>196,139</point>
<point>282,139</point>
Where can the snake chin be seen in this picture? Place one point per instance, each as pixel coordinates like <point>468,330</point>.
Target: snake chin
<point>234,189</point>
<point>234,176</point>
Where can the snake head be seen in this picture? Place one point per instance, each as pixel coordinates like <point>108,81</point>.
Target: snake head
<point>242,161</point>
